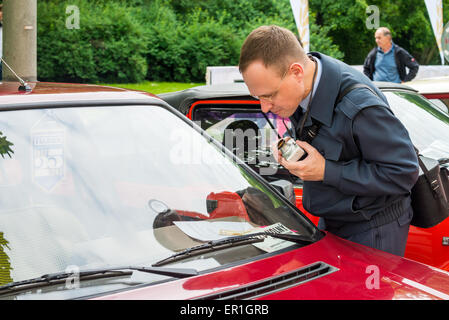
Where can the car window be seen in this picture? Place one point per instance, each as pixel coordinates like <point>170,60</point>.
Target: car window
<point>93,187</point>
<point>428,127</point>
<point>248,133</point>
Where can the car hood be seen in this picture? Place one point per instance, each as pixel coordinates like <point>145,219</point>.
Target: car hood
<point>58,92</point>
<point>348,271</point>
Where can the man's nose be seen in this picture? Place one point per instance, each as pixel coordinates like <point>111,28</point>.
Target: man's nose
<point>265,105</point>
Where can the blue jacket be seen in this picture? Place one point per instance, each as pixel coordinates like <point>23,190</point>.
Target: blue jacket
<point>371,165</point>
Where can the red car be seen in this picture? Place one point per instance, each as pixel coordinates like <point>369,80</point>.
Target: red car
<point>435,89</point>
<point>113,194</point>
<point>229,106</point>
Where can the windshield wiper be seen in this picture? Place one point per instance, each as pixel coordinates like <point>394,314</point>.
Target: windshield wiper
<point>47,279</point>
<point>230,242</point>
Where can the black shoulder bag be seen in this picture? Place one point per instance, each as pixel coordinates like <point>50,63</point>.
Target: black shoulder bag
<point>430,194</point>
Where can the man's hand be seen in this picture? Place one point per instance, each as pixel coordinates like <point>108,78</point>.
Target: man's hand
<point>309,169</point>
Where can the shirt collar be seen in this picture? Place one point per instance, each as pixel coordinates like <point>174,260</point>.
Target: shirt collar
<point>325,95</point>
<point>319,70</point>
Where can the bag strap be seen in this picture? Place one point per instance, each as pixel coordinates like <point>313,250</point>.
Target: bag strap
<point>311,132</point>
<point>353,87</point>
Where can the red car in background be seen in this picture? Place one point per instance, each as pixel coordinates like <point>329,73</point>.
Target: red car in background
<point>229,106</point>
<point>113,194</point>
<point>435,89</point>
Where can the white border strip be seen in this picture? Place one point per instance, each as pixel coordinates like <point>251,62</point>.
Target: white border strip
<point>427,289</point>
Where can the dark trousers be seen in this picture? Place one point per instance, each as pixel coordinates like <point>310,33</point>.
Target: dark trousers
<point>390,237</point>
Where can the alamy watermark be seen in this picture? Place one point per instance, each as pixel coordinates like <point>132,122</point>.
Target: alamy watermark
<point>372,21</point>
<point>73,280</point>
<point>373,280</point>
<point>73,20</point>
<point>189,148</point>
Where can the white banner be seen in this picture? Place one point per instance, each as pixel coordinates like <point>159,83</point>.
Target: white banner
<point>301,13</point>
<point>435,10</point>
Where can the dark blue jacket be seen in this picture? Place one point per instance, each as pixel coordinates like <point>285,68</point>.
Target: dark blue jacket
<point>371,165</point>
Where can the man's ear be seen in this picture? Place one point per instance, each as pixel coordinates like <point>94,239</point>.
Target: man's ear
<point>297,70</point>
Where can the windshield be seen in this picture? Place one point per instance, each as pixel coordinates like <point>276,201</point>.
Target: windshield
<point>249,134</point>
<point>427,126</point>
<point>130,185</point>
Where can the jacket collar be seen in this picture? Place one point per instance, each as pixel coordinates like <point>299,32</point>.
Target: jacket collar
<point>379,49</point>
<point>322,106</point>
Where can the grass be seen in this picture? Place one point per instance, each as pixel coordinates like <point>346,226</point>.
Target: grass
<point>155,87</point>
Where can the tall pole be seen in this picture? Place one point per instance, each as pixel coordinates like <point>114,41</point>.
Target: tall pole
<point>19,39</point>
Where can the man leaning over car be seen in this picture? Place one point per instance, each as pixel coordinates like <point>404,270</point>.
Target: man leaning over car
<point>361,165</point>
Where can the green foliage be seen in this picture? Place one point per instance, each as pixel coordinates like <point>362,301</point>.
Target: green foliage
<point>181,51</point>
<point>5,146</point>
<point>156,87</point>
<point>175,40</point>
<point>344,21</point>
<point>407,19</point>
<point>157,40</point>
<point>107,47</point>
<point>193,34</point>
<point>321,42</point>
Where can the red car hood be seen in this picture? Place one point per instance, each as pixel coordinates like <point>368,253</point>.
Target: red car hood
<point>50,91</point>
<point>356,272</point>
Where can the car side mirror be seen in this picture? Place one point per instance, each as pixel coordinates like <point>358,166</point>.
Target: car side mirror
<point>286,189</point>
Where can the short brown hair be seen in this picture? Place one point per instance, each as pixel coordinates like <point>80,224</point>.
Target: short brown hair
<point>274,46</point>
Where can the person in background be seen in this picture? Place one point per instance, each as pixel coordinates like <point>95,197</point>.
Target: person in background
<point>387,61</point>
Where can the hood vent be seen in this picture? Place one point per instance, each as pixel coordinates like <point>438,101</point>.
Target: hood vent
<point>274,284</point>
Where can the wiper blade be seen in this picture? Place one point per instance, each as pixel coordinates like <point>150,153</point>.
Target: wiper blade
<point>230,242</point>
<point>103,272</point>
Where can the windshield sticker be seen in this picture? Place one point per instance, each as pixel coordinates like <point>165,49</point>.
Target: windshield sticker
<point>207,231</point>
<point>48,140</point>
<point>272,244</point>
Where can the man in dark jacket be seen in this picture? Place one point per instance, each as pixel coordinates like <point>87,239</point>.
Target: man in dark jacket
<point>387,61</point>
<point>361,165</point>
